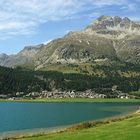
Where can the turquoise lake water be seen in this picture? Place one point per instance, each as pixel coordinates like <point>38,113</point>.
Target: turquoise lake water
<point>16,116</point>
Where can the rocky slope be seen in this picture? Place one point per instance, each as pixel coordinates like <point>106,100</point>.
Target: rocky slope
<point>105,39</point>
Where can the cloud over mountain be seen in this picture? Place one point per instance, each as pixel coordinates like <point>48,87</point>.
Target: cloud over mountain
<point>20,17</point>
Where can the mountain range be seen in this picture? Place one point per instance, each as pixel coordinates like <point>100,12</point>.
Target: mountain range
<point>106,39</point>
<point>103,55</point>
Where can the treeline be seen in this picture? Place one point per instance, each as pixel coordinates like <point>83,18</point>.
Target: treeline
<point>22,80</point>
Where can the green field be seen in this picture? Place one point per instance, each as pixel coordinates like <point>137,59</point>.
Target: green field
<point>127,129</point>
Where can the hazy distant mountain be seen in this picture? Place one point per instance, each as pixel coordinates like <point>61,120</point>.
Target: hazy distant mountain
<point>21,58</point>
<point>105,39</point>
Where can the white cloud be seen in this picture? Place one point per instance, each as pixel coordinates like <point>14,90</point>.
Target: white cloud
<point>132,7</point>
<point>101,3</point>
<point>46,42</point>
<point>21,17</point>
<point>18,15</point>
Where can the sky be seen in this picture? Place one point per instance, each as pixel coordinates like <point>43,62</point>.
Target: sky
<point>31,22</point>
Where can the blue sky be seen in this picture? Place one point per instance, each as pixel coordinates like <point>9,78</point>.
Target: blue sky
<point>31,22</point>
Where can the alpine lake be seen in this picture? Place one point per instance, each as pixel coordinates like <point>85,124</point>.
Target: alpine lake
<point>31,117</point>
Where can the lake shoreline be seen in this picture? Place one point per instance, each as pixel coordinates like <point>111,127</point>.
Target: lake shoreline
<point>72,100</point>
<point>73,127</point>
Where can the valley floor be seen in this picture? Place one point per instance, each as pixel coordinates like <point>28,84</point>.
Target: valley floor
<point>126,129</point>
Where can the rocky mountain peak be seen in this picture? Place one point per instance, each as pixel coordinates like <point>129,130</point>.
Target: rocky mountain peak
<point>113,27</point>
<point>104,18</point>
<point>20,58</point>
<point>30,51</point>
<point>126,19</point>
<point>33,47</point>
<point>112,20</point>
<point>3,55</point>
<point>106,38</point>
<point>118,19</point>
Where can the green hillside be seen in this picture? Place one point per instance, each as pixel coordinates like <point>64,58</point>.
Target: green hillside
<point>83,77</point>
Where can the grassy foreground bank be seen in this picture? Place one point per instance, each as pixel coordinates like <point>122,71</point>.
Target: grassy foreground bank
<point>121,129</point>
<point>73,100</point>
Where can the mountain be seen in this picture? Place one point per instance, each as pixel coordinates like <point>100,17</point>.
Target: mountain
<point>21,58</point>
<point>103,55</point>
<point>106,40</point>
<point>3,58</point>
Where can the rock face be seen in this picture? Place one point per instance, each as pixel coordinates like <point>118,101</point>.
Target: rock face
<point>107,38</point>
<point>3,58</point>
<point>21,58</point>
<point>114,27</point>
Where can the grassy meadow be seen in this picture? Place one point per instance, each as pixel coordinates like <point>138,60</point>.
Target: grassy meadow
<point>123,129</point>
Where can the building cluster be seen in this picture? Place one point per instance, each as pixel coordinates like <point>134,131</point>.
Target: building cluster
<point>108,93</point>
<point>66,94</point>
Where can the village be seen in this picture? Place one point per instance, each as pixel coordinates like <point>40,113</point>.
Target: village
<point>109,93</point>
